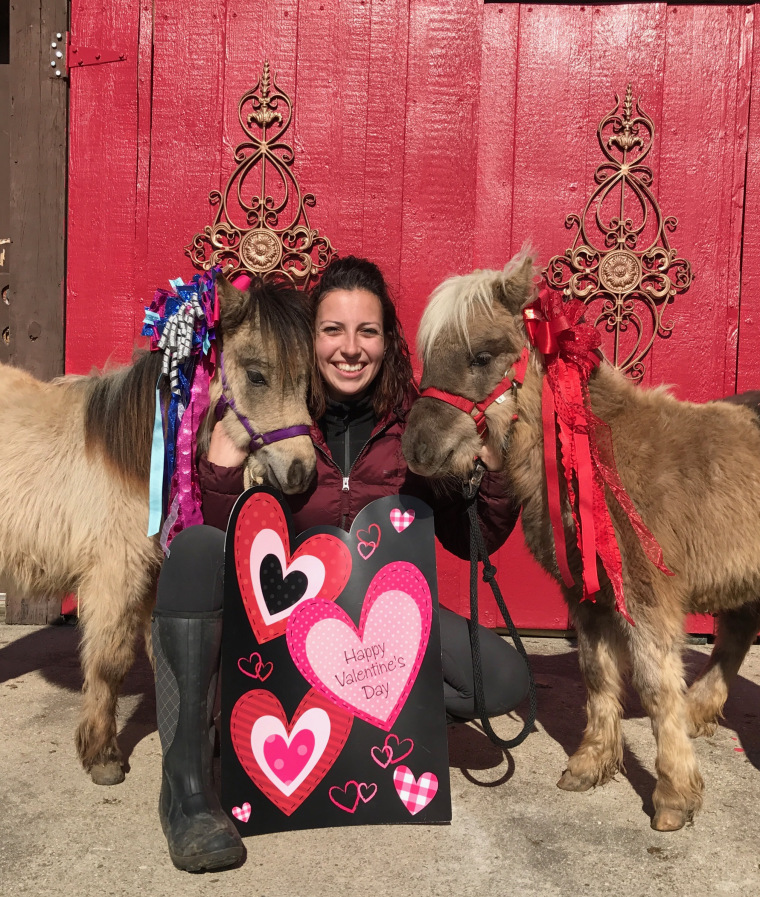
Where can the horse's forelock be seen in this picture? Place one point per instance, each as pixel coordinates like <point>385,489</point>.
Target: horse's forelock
<point>453,305</point>
<point>283,321</point>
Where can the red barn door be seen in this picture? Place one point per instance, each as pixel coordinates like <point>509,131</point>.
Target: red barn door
<point>437,138</point>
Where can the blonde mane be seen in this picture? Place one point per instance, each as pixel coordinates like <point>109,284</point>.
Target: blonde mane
<point>454,303</point>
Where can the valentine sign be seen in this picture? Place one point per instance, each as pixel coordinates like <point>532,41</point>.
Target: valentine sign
<point>332,694</point>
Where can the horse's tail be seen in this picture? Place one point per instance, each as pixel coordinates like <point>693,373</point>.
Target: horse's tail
<point>119,413</point>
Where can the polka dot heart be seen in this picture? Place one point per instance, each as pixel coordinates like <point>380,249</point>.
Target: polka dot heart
<point>369,672</point>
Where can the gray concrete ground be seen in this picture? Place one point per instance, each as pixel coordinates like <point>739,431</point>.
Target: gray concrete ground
<point>513,831</point>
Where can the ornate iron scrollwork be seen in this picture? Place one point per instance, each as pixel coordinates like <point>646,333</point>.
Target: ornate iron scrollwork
<point>621,263</point>
<point>275,240</point>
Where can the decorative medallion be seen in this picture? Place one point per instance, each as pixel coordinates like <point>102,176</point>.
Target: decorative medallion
<point>260,250</point>
<point>620,271</point>
<point>269,234</point>
<point>621,264</point>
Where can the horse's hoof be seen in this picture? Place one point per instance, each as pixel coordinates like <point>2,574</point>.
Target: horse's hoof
<point>668,819</point>
<point>109,773</point>
<point>570,782</point>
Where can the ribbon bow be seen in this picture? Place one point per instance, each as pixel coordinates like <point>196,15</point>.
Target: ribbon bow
<point>181,323</point>
<point>569,348</point>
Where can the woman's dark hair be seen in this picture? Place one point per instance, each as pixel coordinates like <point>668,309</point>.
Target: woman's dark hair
<point>395,375</point>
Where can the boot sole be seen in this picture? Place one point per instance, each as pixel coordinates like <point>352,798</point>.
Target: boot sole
<point>205,862</point>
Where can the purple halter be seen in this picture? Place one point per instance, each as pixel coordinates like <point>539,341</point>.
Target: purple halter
<point>258,440</point>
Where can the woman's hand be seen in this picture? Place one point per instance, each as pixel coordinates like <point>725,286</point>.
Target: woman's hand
<point>491,459</point>
<point>222,451</point>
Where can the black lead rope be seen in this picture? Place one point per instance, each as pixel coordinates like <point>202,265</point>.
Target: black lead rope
<point>478,552</point>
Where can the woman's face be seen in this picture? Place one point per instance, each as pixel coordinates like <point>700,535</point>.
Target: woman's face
<point>349,341</point>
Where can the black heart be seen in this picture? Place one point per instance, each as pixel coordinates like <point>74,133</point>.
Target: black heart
<point>280,593</point>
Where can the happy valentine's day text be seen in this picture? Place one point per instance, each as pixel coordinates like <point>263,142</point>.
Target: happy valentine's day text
<point>374,655</point>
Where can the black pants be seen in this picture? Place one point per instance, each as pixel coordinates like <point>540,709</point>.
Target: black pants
<point>192,581</point>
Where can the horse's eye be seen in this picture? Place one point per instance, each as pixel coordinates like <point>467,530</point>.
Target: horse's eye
<point>481,360</point>
<point>257,378</point>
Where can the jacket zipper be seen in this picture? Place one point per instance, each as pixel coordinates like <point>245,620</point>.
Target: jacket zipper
<point>345,487</point>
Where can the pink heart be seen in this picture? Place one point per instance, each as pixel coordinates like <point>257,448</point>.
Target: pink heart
<point>242,813</point>
<point>367,792</point>
<point>368,540</point>
<point>287,759</point>
<point>369,672</point>
<point>401,519</point>
<point>382,756</point>
<point>415,794</point>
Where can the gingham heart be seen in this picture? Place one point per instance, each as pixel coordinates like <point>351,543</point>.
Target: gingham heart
<point>401,519</point>
<point>242,813</point>
<point>415,794</point>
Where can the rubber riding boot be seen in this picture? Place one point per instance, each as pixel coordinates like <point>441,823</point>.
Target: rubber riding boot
<point>199,833</point>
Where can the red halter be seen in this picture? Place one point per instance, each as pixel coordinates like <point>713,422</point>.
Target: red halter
<point>477,410</point>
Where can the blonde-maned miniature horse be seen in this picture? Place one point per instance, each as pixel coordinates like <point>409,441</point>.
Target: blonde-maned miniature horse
<point>74,471</point>
<point>693,473</point>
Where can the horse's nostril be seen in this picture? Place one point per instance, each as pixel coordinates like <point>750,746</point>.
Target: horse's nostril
<point>296,474</point>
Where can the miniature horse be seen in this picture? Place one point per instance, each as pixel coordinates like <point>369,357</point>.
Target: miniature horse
<point>693,475</point>
<point>75,458</point>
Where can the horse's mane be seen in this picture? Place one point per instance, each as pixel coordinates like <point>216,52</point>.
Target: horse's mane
<point>457,300</point>
<point>118,415</point>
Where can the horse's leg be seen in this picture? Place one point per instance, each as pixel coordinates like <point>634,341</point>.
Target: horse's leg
<point>602,659</point>
<point>114,600</point>
<point>737,630</point>
<point>657,668</point>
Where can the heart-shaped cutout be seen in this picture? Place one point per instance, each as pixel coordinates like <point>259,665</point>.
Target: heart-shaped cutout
<point>402,519</point>
<point>369,671</point>
<point>242,813</point>
<point>415,794</point>
<point>272,580</point>
<point>286,761</point>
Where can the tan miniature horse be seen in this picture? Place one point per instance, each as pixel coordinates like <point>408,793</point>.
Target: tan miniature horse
<point>693,474</point>
<point>74,463</point>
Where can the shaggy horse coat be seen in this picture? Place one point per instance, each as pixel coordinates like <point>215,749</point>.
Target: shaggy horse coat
<point>692,472</point>
<point>75,457</point>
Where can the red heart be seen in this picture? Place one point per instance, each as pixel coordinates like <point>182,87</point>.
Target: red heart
<point>398,749</point>
<point>323,560</point>
<point>261,734</point>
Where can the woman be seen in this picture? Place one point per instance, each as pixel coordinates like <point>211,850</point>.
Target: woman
<point>360,400</point>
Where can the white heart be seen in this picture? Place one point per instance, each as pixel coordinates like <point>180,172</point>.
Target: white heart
<point>315,720</point>
<point>267,541</point>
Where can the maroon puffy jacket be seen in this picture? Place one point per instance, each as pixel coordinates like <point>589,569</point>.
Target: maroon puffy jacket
<point>379,470</point>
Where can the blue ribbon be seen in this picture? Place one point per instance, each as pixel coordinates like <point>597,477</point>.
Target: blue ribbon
<point>156,490</point>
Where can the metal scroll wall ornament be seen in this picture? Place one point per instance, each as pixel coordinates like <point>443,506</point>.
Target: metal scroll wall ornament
<point>621,264</point>
<point>261,226</point>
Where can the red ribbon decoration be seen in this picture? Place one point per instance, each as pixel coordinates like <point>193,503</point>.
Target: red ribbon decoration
<point>569,348</point>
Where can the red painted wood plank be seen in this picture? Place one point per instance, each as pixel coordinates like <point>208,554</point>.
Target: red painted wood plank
<point>748,373</point>
<point>101,304</point>
<point>187,116</point>
<point>332,67</point>
<point>496,124</point>
<point>385,147</point>
<point>702,162</point>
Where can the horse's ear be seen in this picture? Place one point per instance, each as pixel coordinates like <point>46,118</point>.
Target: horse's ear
<point>516,287</point>
<point>233,303</point>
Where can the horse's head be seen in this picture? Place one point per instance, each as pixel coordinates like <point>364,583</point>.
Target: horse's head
<point>470,337</point>
<point>265,363</point>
